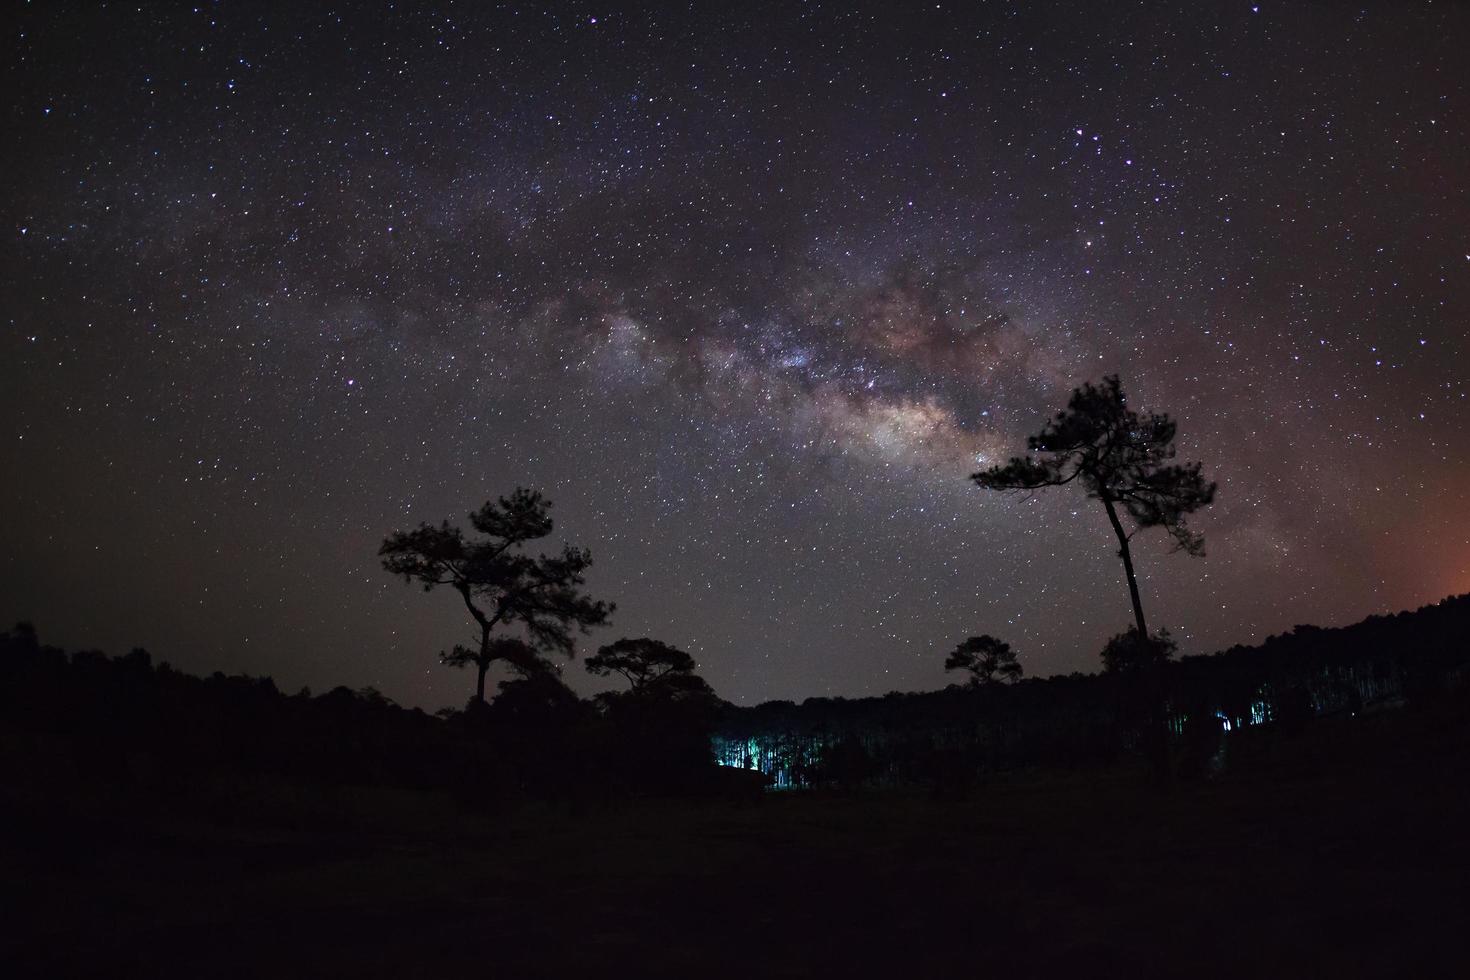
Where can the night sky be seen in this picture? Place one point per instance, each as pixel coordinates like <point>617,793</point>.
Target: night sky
<point>748,294</point>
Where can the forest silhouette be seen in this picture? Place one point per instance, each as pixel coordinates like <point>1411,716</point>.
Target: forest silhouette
<point>119,759</point>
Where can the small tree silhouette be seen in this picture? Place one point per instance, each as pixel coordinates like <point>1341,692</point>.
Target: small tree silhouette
<point>642,662</point>
<point>1120,458</point>
<point>500,585</point>
<point>988,661</point>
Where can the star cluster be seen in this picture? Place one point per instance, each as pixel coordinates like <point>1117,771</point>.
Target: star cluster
<point>748,291</point>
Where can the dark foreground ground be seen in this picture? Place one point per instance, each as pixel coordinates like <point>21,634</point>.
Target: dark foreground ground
<point>1341,852</point>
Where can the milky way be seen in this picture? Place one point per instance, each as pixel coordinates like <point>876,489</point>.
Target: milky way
<point>748,294</point>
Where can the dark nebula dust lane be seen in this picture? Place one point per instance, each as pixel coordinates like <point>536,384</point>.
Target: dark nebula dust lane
<point>748,293</point>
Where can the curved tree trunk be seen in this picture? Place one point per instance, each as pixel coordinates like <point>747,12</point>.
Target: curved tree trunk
<point>482,662</point>
<point>1126,553</point>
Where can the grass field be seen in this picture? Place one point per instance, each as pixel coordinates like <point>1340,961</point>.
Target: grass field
<point>1341,852</point>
